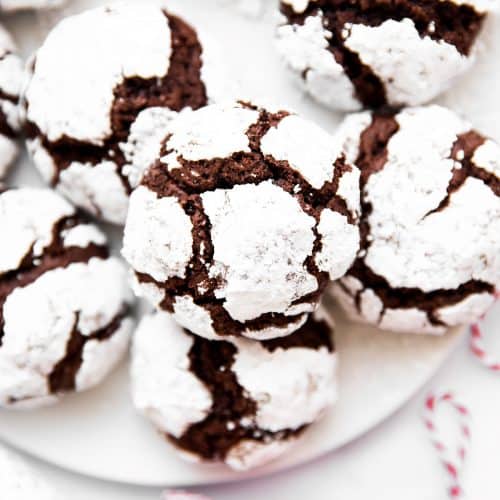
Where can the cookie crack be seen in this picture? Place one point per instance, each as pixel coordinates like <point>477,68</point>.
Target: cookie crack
<point>63,376</point>
<point>462,153</point>
<point>232,417</point>
<point>195,177</point>
<point>181,87</point>
<point>55,256</point>
<point>312,335</point>
<point>441,20</point>
<point>406,297</point>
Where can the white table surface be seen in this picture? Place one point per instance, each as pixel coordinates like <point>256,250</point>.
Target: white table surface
<point>394,461</point>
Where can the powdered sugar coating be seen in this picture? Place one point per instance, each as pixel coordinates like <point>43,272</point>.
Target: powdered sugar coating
<point>413,69</point>
<point>298,5</point>
<point>149,291</point>
<point>87,118</point>
<point>487,157</point>
<point>32,344</point>
<point>262,224</point>
<point>74,96</point>
<point>11,78</point>
<point>370,309</point>
<point>198,320</point>
<point>161,378</point>
<point>289,142</point>
<point>305,49</point>
<point>349,132</point>
<point>292,387</point>
<point>194,317</point>
<point>287,399</point>
<point>20,482</point>
<point>83,235</point>
<point>426,232</point>
<point>25,228</point>
<point>157,238</point>
<point>99,358</point>
<point>340,241</point>
<point>273,332</point>
<point>97,189</point>
<point>195,136</point>
<point>336,56</point>
<point>144,141</point>
<point>264,259</point>
<point>411,185</point>
<point>45,316</point>
<point>472,307</point>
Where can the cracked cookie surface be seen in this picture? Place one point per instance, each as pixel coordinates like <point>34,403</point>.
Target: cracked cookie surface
<point>104,87</point>
<point>11,78</point>
<point>248,401</point>
<point>64,302</point>
<point>430,224</point>
<point>241,223</point>
<point>353,54</point>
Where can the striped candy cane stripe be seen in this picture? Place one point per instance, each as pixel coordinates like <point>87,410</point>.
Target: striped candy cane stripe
<point>478,346</point>
<point>452,455</point>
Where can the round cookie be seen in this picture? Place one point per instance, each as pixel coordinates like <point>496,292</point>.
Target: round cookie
<point>358,54</point>
<point>104,87</point>
<point>241,223</point>
<point>240,402</point>
<point>64,302</point>
<point>11,78</point>
<point>430,224</point>
<point>20,482</point>
<point>17,5</point>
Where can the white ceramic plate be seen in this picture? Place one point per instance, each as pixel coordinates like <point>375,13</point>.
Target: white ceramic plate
<point>99,434</point>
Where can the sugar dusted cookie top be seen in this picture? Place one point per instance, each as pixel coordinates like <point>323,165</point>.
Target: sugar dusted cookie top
<point>355,54</point>
<point>105,85</point>
<point>11,78</point>
<point>64,302</point>
<point>243,220</point>
<point>248,401</point>
<point>430,225</point>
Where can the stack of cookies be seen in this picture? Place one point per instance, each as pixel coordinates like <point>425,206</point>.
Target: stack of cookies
<point>238,217</point>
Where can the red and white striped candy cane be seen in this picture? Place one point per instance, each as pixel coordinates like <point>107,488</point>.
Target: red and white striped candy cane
<point>452,455</point>
<point>478,346</point>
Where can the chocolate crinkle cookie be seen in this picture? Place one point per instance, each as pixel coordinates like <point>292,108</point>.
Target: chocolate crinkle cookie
<point>104,87</point>
<point>64,302</point>
<point>243,220</point>
<point>11,79</point>
<point>353,54</point>
<point>430,226</point>
<point>240,402</point>
<point>18,5</point>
